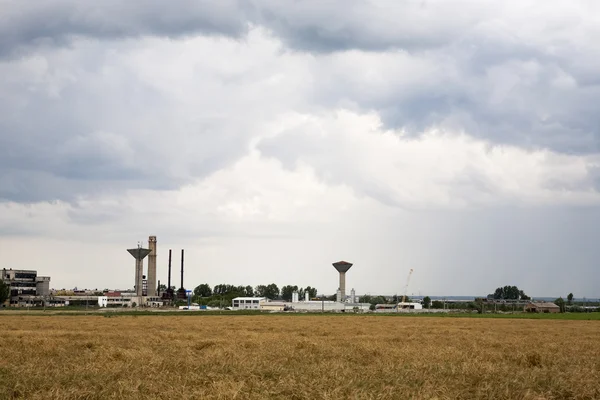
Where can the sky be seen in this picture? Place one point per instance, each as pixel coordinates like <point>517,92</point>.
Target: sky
<point>272,138</point>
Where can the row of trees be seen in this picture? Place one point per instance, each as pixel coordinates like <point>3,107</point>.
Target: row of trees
<point>395,299</point>
<point>287,290</point>
<point>562,304</point>
<point>224,293</point>
<point>510,293</point>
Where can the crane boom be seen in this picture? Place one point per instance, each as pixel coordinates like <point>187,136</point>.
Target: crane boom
<point>406,287</point>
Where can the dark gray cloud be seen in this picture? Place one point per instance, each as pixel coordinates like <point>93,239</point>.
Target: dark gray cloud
<point>523,74</point>
<point>80,121</point>
<point>69,130</point>
<point>27,25</point>
<point>370,25</point>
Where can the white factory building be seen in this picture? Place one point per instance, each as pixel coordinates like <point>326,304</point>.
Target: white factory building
<point>247,303</point>
<point>264,304</point>
<point>400,307</point>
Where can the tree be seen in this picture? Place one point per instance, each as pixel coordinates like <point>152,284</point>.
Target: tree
<point>426,302</point>
<point>509,293</point>
<point>286,292</point>
<point>523,296</point>
<point>570,298</point>
<point>161,288</point>
<point>301,293</point>
<point>560,303</point>
<point>249,291</point>
<point>270,291</point>
<point>437,304</point>
<point>4,292</point>
<point>260,290</point>
<point>312,292</point>
<point>203,290</point>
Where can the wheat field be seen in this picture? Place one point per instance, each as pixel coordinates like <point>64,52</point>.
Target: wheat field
<point>297,357</point>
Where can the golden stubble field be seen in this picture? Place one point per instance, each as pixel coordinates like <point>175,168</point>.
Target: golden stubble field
<point>297,357</point>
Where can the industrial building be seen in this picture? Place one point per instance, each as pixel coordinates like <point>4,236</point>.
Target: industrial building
<point>264,304</point>
<point>29,289</point>
<point>400,307</point>
<point>542,307</point>
<point>146,286</point>
<point>342,303</point>
<point>26,287</point>
<point>247,303</point>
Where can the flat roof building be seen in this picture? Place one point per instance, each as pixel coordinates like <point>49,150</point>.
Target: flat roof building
<point>542,307</point>
<point>25,285</point>
<point>247,303</point>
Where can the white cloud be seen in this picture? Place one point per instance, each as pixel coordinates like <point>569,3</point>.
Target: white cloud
<point>436,169</point>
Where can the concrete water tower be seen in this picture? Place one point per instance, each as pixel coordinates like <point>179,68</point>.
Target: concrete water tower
<point>139,254</point>
<point>342,267</point>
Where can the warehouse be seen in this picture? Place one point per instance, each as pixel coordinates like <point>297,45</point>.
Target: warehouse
<point>542,307</point>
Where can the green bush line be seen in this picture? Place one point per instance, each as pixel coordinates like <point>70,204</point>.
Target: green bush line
<point>592,316</point>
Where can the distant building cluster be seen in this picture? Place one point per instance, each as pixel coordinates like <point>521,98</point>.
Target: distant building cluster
<point>264,304</point>
<point>27,289</point>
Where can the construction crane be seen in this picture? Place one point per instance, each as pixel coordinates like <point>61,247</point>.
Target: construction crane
<point>406,287</point>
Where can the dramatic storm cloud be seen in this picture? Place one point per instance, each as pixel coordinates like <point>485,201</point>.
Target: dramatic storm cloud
<point>271,138</point>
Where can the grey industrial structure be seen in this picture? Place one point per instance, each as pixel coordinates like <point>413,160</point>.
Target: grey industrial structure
<point>151,288</point>
<point>342,267</point>
<point>139,254</point>
<point>25,286</point>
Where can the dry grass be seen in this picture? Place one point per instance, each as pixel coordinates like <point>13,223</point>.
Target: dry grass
<point>303,357</point>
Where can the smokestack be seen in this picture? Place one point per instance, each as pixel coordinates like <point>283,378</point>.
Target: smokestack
<point>181,268</point>
<point>342,267</point>
<point>139,254</point>
<point>158,288</point>
<point>169,280</point>
<point>151,289</point>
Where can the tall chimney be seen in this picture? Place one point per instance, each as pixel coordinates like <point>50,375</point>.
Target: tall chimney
<point>342,267</point>
<point>169,283</point>
<point>151,290</point>
<point>139,254</point>
<point>181,268</point>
